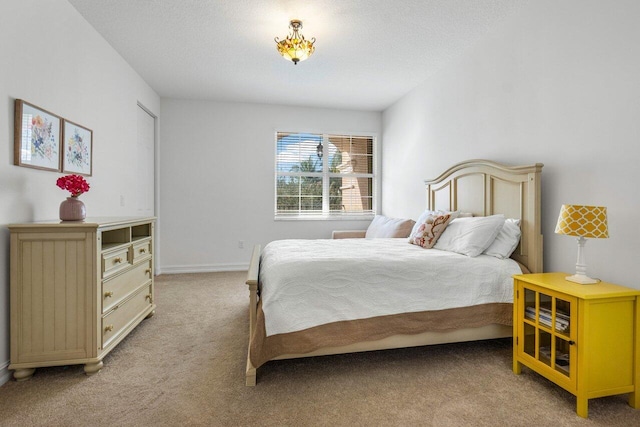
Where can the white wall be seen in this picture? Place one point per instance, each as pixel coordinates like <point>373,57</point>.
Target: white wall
<point>217,179</point>
<point>558,84</point>
<point>53,58</point>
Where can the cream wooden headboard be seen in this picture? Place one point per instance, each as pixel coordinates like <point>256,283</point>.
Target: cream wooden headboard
<point>486,188</point>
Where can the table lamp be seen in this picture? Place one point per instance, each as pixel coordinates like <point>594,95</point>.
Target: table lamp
<point>582,222</point>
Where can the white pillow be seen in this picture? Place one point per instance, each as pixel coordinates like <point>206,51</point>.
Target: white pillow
<point>383,226</point>
<point>470,236</point>
<point>506,241</point>
<point>427,213</point>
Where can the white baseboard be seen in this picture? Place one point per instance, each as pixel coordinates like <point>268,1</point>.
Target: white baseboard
<point>5,374</point>
<point>203,268</point>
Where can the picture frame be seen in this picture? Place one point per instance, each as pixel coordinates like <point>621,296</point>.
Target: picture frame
<point>36,137</point>
<point>77,152</point>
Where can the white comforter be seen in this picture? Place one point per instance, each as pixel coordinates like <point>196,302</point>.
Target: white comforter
<point>306,283</point>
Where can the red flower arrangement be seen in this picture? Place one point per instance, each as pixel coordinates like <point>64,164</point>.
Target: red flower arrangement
<point>75,184</point>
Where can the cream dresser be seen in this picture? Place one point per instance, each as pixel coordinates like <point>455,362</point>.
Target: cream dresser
<point>77,289</point>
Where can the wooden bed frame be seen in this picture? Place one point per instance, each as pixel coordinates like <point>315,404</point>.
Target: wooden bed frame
<point>481,187</point>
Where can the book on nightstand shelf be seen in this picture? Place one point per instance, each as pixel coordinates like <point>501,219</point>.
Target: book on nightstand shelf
<point>545,316</point>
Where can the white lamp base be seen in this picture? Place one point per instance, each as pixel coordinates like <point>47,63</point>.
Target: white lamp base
<point>581,268</point>
<point>582,279</point>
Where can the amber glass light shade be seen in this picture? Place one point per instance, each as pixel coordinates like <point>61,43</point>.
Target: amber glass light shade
<point>295,47</point>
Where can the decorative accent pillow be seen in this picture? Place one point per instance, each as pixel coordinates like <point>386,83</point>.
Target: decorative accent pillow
<point>506,241</point>
<point>470,236</point>
<point>423,216</point>
<point>382,226</point>
<point>428,232</point>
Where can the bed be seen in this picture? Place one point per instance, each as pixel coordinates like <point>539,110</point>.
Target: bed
<point>280,328</point>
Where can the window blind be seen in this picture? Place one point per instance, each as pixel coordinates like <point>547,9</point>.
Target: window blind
<point>324,174</point>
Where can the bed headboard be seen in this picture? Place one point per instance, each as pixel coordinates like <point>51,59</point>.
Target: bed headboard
<point>486,188</point>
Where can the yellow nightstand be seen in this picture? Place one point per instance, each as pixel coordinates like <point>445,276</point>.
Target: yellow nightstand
<point>592,349</point>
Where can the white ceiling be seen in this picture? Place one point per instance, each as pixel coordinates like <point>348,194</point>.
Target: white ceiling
<point>369,53</point>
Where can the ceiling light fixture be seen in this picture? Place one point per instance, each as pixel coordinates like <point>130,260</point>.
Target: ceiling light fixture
<point>294,47</point>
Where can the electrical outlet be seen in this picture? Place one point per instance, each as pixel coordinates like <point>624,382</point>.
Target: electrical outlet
<point>240,244</point>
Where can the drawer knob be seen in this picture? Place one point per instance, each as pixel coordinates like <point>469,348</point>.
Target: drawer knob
<point>108,294</point>
<point>150,298</point>
<point>143,250</point>
<point>117,260</point>
<point>108,328</point>
<point>148,271</point>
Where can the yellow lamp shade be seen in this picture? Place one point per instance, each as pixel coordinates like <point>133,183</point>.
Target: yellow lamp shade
<point>583,221</point>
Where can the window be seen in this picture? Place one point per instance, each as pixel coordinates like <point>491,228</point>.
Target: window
<point>324,175</point>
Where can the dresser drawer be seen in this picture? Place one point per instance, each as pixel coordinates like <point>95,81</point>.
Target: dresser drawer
<point>141,250</point>
<point>114,261</point>
<point>117,288</point>
<point>121,316</point>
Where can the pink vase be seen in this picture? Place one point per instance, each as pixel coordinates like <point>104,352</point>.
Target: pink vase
<point>72,209</point>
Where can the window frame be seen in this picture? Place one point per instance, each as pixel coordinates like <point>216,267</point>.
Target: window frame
<point>326,176</point>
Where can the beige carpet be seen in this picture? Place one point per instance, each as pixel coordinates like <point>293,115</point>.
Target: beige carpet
<point>185,367</point>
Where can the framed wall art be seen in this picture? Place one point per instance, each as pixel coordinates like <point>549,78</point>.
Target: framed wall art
<point>77,152</point>
<point>36,137</point>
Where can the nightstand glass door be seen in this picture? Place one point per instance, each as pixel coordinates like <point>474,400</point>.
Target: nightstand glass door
<point>547,330</point>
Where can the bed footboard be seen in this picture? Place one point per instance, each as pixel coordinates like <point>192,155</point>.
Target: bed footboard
<point>252,282</point>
